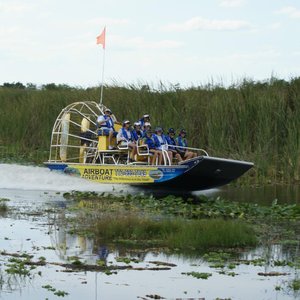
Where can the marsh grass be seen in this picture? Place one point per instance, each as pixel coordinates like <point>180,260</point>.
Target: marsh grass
<point>173,233</point>
<point>254,121</point>
<point>198,234</point>
<point>183,224</point>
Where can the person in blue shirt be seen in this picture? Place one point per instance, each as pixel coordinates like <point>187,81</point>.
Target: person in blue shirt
<point>147,126</point>
<point>137,132</point>
<point>161,142</point>
<point>125,139</point>
<point>153,147</point>
<point>170,137</point>
<point>106,125</point>
<point>182,142</point>
<point>143,120</point>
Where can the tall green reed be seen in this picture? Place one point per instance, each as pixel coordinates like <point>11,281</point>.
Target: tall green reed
<point>255,121</point>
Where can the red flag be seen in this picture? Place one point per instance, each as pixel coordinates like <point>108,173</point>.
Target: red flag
<point>101,38</point>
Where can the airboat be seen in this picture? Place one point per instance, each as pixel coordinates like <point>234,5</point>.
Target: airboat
<point>77,149</point>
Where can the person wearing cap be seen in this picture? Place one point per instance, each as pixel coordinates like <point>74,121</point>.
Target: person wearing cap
<point>182,142</point>
<point>137,132</point>
<point>152,146</point>
<point>106,125</point>
<point>170,137</point>
<point>125,138</point>
<point>143,120</point>
<point>147,126</point>
<point>161,142</point>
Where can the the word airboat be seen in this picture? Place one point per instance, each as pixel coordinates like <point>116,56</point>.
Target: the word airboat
<point>76,149</point>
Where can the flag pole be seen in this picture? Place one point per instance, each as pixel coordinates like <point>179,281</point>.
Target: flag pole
<point>101,40</point>
<point>102,84</point>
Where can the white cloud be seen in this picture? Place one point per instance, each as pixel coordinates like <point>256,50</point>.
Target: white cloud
<point>199,23</point>
<point>232,3</point>
<point>238,59</point>
<point>141,43</point>
<point>290,11</point>
<point>256,56</point>
<point>109,21</point>
<point>15,7</point>
<point>275,26</point>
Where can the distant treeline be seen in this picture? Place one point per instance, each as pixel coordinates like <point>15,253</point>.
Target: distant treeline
<point>254,121</point>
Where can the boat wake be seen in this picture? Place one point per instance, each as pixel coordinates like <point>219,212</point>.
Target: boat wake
<point>19,177</point>
<point>33,178</point>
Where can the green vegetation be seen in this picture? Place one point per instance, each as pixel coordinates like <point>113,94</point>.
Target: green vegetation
<point>18,266</point>
<point>173,233</point>
<point>183,225</point>
<point>147,222</point>
<point>255,121</point>
<point>3,206</point>
<point>127,260</point>
<point>56,292</point>
<point>198,275</point>
<point>295,284</point>
<point>202,207</point>
<point>21,264</point>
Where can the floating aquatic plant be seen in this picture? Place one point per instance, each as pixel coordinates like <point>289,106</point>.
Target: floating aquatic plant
<point>202,207</point>
<point>3,205</point>
<point>198,275</point>
<point>56,292</point>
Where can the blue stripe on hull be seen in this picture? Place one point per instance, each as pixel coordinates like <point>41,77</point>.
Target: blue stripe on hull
<point>56,166</point>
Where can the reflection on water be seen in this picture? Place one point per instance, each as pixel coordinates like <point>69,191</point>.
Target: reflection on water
<point>68,245</point>
<point>37,224</point>
<point>173,284</point>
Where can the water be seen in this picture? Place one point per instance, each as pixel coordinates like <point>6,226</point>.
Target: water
<point>36,225</point>
<point>289,194</point>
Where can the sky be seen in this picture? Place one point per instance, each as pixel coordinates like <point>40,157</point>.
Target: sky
<point>190,43</point>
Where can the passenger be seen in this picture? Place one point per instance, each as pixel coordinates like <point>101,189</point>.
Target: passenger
<point>161,141</point>
<point>143,120</point>
<point>106,125</point>
<point>170,137</point>
<point>147,126</point>
<point>125,138</point>
<point>149,140</point>
<point>182,142</point>
<point>137,132</point>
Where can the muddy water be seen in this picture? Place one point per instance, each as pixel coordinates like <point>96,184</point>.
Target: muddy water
<point>35,224</point>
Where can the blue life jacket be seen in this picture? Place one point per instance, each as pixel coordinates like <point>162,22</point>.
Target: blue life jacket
<point>150,142</point>
<point>171,142</point>
<point>142,121</point>
<point>109,122</point>
<point>144,133</point>
<point>157,142</point>
<point>136,134</point>
<point>125,135</point>
<point>182,142</point>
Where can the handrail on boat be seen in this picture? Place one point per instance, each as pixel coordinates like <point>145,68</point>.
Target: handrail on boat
<point>191,148</point>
